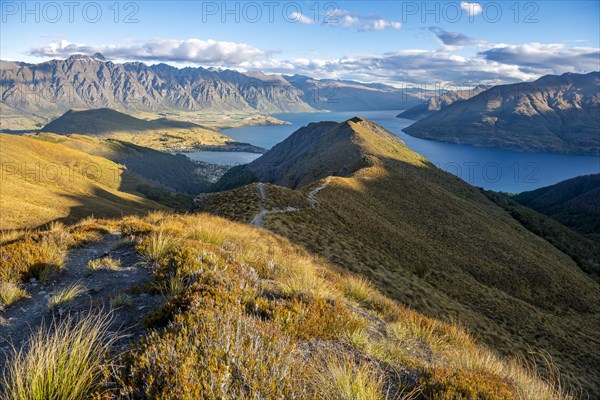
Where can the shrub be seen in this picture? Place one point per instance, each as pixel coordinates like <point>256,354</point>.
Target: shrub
<point>220,353</point>
<point>446,384</point>
<point>61,361</point>
<point>121,300</point>
<point>33,258</point>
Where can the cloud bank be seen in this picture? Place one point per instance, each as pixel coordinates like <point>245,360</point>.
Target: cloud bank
<point>190,50</point>
<point>491,63</point>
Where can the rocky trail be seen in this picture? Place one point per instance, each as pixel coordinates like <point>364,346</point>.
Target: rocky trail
<point>19,320</point>
<point>258,219</point>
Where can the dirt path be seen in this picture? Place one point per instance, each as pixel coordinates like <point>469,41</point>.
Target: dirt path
<point>258,219</point>
<point>20,319</point>
<point>311,195</point>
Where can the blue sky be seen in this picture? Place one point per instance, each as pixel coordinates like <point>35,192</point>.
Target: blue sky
<point>377,41</point>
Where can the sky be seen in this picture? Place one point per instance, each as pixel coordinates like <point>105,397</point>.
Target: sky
<point>392,42</point>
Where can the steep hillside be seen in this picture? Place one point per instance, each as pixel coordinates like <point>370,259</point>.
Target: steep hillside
<point>160,134</point>
<point>553,114</point>
<point>311,153</point>
<point>434,242</point>
<point>175,172</point>
<point>436,103</point>
<point>44,181</point>
<point>574,202</point>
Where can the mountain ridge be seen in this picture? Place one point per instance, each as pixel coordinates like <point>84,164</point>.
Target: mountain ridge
<point>52,87</point>
<point>558,114</point>
<point>435,243</point>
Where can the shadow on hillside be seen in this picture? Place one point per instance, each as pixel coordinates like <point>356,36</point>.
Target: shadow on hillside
<point>103,204</point>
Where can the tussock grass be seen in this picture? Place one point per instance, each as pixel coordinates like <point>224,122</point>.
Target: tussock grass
<point>60,361</point>
<point>303,281</point>
<point>10,292</point>
<point>104,263</point>
<point>358,288</point>
<point>247,314</point>
<point>156,246</point>
<point>65,295</point>
<point>341,377</point>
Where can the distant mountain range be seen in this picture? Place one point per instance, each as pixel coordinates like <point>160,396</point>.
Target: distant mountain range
<point>558,114</point>
<point>436,103</point>
<point>50,88</point>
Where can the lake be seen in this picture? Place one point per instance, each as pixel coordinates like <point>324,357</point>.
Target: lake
<point>491,169</point>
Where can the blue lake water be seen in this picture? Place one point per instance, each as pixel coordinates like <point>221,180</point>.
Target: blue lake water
<point>491,169</point>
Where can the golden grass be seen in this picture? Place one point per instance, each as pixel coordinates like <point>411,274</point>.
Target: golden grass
<point>43,181</point>
<point>65,295</point>
<point>10,292</point>
<point>61,361</point>
<point>105,263</point>
<point>156,246</point>
<point>342,378</point>
<point>247,314</point>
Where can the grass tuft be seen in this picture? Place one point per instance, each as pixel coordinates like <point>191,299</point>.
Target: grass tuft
<point>60,361</point>
<point>341,377</point>
<point>10,292</point>
<point>65,295</point>
<point>105,263</point>
<point>156,246</point>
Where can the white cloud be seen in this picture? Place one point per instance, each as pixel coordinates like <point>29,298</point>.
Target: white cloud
<point>545,58</point>
<point>190,50</point>
<point>471,8</point>
<point>303,19</point>
<point>381,24</point>
<point>345,19</point>
<point>499,63</point>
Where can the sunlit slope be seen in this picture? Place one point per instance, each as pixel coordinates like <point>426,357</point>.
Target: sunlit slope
<point>176,172</point>
<point>160,134</point>
<point>432,241</point>
<point>44,181</point>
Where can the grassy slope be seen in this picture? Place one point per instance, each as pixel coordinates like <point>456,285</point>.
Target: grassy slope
<point>160,134</point>
<point>585,252</point>
<point>176,172</point>
<point>246,314</point>
<point>431,241</point>
<point>573,202</point>
<point>44,181</point>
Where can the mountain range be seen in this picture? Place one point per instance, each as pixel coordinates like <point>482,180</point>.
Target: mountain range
<point>436,103</point>
<point>37,91</point>
<point>558,114</point>
<point>356,195</point>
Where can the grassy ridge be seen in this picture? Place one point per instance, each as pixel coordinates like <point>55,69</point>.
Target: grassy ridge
<point>431,241</point>
<point>247,314</point>
<point>159,134</point>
